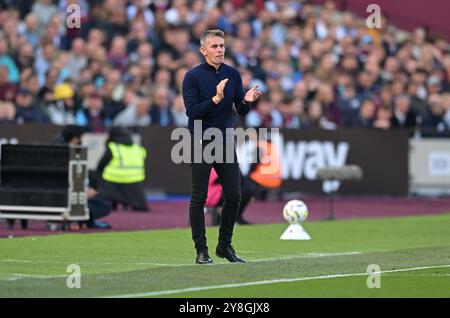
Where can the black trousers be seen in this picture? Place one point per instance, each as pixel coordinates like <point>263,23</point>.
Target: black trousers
<point>230,179</point>
<point>248,190</point>
<point>130,194</point>
<point>99,207</point>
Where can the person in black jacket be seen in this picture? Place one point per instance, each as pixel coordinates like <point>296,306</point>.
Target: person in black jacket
<point>403,116</point>
<point>209,91</point>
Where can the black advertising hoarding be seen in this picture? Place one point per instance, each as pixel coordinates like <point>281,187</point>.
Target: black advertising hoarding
<point>28,133</point>
<point>162,173</point>
<point>382,155</point>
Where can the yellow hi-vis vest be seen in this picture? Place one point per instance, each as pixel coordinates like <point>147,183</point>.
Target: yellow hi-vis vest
<point>126,165</point>
<point>268,172</point>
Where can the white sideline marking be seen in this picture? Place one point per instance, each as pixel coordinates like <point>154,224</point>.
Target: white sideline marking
<point>306,255</point>
<point>89,263</point>
<point>419,275</point>
<point>17,276</point>
<point>265,282</point>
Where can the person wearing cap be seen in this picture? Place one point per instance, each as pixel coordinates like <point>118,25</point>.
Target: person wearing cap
<point>26,110</point>
<point>92,115</point>
<point>62,109</point>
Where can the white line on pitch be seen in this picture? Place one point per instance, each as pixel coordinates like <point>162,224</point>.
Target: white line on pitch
<point>277,258</point>
<point>18,276</point>
<point>264,282</point>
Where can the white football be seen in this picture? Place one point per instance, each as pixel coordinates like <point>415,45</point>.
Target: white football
<point>295,211</point>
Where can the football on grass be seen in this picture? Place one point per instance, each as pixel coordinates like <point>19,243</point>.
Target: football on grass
<point>295,211</point>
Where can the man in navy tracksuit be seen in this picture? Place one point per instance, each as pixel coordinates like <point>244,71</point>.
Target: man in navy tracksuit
<point>209,91</point>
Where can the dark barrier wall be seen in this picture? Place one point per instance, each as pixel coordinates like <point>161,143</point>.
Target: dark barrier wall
<point>405,14</point>
<point>29,133</point>
<point>161,171</point>
<point>383,156</point>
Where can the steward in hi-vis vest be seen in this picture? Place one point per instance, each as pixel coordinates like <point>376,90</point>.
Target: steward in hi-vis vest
<point>127,164</point>
<point>122,171</point>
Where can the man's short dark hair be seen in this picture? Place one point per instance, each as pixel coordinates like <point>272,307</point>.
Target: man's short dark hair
<point>72,131</point>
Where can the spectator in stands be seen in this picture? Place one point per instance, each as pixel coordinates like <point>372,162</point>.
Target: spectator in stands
<point>348,104</point>
<point>45,55</point>
<point>46,91</point>
<point>30,30</point>
<point>160,110</point>
<point>62,110</point>
<point>138,8</point>
<point>446,106</point>
<point>25,57</point>
<point>403,115</point>
<point>293,113</point>
<point>122,171</point>
<point>436,112</point>
<point>136,114</point>
<point>7,89</point>
<point>383,118</point>
<point>418,105</point>
<point>77,58</point>
<point>93,116</point>
<point>117,55</point>
<point>366,86</point>
<point>295,49</point>
<point>179,112</point>
<point>7,113</point>
<point>315,118</point>
<point>112,92</point>
<point>117,22</point>
<point>26,110</point>
<point>7,61</point>
<point>366,115</point>
<point>44,10</point>
<point>330,110</point>
<point>264,115</point>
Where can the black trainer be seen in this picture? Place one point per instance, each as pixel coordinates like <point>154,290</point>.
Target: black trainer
<point>203,258</point>
<point>229,253</point>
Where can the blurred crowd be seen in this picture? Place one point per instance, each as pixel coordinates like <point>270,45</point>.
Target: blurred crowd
<point>124,66</point>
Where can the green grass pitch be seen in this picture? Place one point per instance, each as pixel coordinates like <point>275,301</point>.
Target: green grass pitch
<point>413,254</point>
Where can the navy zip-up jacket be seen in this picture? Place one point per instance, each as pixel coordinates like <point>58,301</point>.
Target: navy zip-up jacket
<point>199,87</point>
